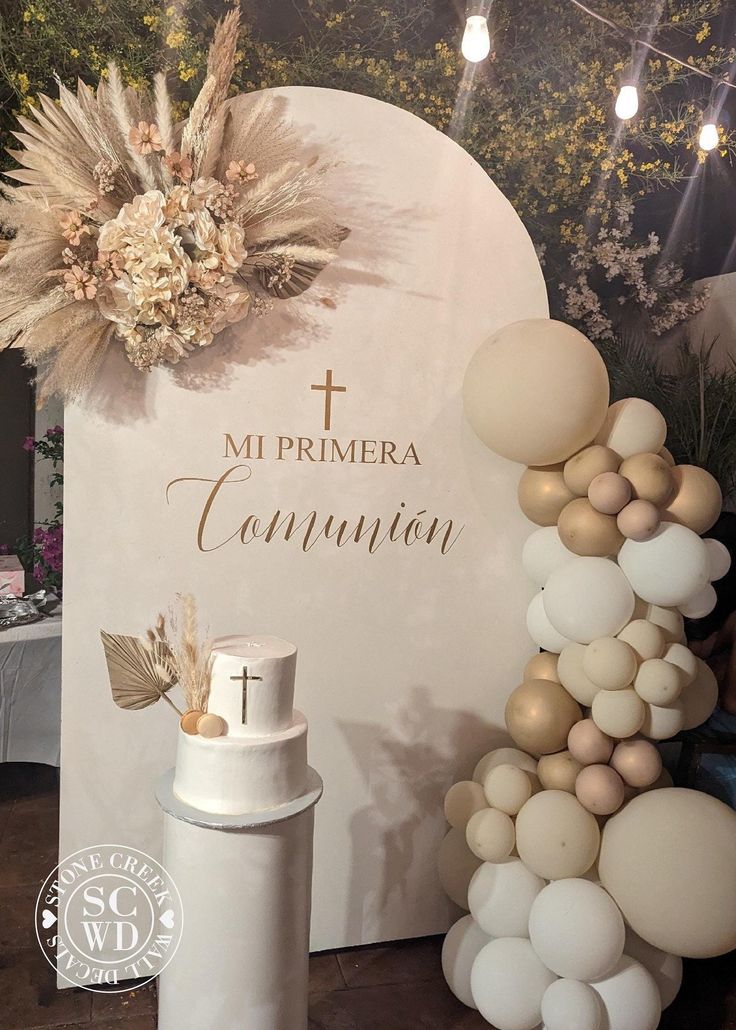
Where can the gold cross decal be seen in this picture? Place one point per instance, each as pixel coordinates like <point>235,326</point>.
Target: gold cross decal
<point>328,389</point>
<point>243,678</point>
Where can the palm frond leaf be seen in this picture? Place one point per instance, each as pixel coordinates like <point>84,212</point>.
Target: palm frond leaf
<point>141,671</point>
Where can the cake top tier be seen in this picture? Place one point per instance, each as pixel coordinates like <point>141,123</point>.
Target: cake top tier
<point>252,685</point>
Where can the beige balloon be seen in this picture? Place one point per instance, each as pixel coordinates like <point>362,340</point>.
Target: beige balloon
<point>700,697</point>
<point>637,762</point>
<point>572,675</point>
<point>659,682</point>
<point>555,836</point>
<point>490,835</point>
<point>542,494</point>
<point>536,392</point>
<point>632,425</point>
<point>610,663</point>
<point>667,455</point>
<point>503,756</point>
<point>600,789</point>
<point>681,656</point>
<point>662,723</point>
<point>697,500</point>
<point>542,666</point>
<point>507,788</point>
<point>539,714</point>
<point>463,800</point>
<point>588,744</point>
<point>585,466</point>
<point>639,520</point>
<point>559,771</point>
<point>585,531</point>
<point>650,477</point>
<point>667,860</point>
<point>645,638</point>
<point>456,865</point>
<point>669,621</point>
<point>619,713</point>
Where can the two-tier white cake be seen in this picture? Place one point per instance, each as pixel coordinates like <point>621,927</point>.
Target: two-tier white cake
<point>261,760</point>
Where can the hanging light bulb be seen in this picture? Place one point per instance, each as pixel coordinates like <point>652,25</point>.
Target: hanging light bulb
<point>627,101</point>
<point>476,45</point>
<point>708,139</point>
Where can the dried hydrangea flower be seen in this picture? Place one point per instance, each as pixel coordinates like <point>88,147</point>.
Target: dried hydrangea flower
<point>222,205</point>
<point>104,175</point>
<point>241,171</point>
<point>145,139</point>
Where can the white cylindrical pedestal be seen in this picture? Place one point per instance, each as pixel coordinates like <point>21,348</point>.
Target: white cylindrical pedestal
<point>245,882</point>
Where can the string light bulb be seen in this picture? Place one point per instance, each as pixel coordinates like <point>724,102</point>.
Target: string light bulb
<point>476,45</point>
<point>708,139</point>
<point>627,101</point>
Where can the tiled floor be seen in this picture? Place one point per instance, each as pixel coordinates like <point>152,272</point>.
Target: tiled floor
<point>392,987</point>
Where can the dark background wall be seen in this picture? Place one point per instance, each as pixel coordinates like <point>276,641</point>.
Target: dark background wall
<point>16,465</point>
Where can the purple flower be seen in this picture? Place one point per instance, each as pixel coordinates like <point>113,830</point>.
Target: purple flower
<point>29,443</point>
<point>55,431</point>
<point>38,571</point>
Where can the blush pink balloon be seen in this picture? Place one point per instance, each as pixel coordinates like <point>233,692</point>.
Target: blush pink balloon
<point>600,789</point>
<point>588,744</point>
<point>639,520</point>
<point>609,493</point>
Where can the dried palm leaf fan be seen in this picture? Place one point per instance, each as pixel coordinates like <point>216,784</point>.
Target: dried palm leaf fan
<point>132,231</point>
<point>141,671</point>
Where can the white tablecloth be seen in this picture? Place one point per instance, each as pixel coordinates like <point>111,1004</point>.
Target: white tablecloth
<point>30,692</point>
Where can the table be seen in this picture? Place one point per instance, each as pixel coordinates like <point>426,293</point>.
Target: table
<point>30,692</point>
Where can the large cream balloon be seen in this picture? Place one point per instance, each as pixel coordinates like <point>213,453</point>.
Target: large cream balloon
<point>536,392</point>
<point>542,494</point>
<point>668,569</point>
<point>543,552</point>
<point>456,864</point>
<point>555,836</point>
<point>667,860</point>
<point>588,598</point>
<point>630,997</point>
<point>632,426</point>
<point>576,929</point>
<point>539,715</point>
<point>665,968</point>
<point>508,982</point>
<point>460,949</point>
<point>501,895</point>
<point>697,499</point>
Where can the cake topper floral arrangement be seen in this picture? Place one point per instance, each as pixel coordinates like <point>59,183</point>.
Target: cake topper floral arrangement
<point>132,230</point>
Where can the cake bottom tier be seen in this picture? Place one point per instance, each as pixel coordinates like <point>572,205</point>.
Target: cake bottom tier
<point>235,775</point>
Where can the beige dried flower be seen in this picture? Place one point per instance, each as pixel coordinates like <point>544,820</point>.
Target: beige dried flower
<point>180,167</point>
<point>241,171</point>
<point>80,283</point>
<point>104,176</point>
<point>145,139</point>
<point>73,227</point>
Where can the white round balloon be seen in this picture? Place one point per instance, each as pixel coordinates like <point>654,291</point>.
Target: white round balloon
<point>508,982</point>
<point>665,968</point>
<point>459,951</point>
<point>501,895</point>
<point>633,426</point>
<point>544,552</point>
<point>719,558</point>
<point>668,569</point>
<point>540,629</point>
<point>571,1005</point>
<point>577,930</point>
<point>588,598</point>
<point>630,997</point>
<point>701,604</point>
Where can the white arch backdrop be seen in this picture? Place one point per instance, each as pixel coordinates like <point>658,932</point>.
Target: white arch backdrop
<point>406,655</point>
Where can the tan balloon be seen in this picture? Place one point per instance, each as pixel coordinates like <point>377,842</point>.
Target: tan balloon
<point>609,493</point>
<point>572,676</point>
<point>619,713</point>
<point>456,865</point>
<point>539,715</point>
<point>536,391</point>
<point>580,470</point>
<point>667,455</point>
<point>559,771</point>
<point>542,494</point>
<point>639,520</point>
<point>667,860</point>
<point>610,663</point>
<point>699,698</point>
<point>646,639</point>
<point>542,667</point>
<point>585,531</point>
<point>637,762</point>
<point>507,788</point>
<point>490,835</point>
<point>600,789</point>
<point>555,836</point>
<point>462,800</point>
<point>659,682</point>
<point>650,477</point>
<point>697,500</point>
<point>588,744</point>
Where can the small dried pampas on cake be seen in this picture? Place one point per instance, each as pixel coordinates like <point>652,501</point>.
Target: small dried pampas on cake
<point>131,230</point>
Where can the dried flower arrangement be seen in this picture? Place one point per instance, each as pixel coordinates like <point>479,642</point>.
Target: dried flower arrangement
<point>131,228</point>
<point>142,670</point>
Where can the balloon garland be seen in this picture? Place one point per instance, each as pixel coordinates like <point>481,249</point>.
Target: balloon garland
<point>585,873</point>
